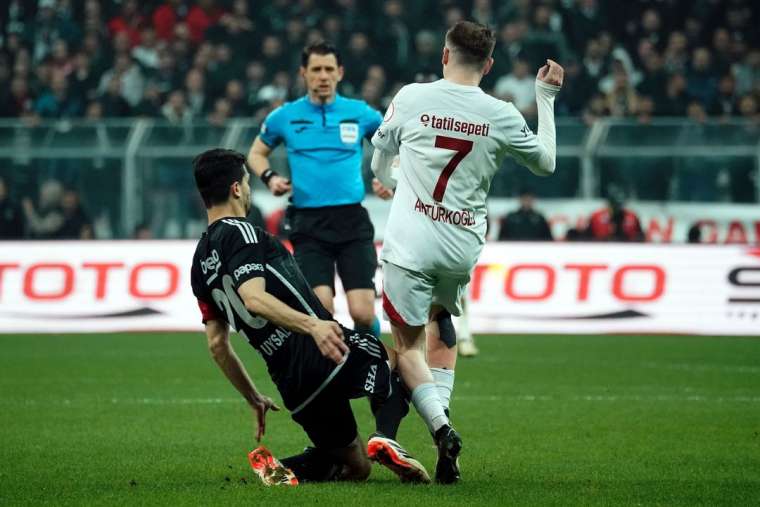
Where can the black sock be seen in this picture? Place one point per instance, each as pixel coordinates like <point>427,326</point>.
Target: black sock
<point>312,465</point>
<point>389,412</point>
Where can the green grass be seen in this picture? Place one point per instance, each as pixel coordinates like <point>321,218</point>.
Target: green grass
<point>546,420</point>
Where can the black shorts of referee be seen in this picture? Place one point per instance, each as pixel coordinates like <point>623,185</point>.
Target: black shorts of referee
<point>334,237</point>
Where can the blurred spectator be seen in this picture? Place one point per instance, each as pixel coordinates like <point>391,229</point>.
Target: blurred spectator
<point>725,103</point>
<point>614,222</point>
<point>112,101</point>
<point>129,21</point>
<point>696,177</point>
<point>622,99</point>
<point>576,90</point>
<point>84,82</point>
<point>151,103</point>
<point>545,39</point>
<point>525,223</point>
<point>146,53</point>
<point>129,76</point>
<point>357,59</point>
<point>142,231</point>
<point>11,218</point>
<point>201,16</point>
<point>518,87</point>
<point>695,233</point>
<point>76,223</point>
<point>58,102</point>
<point>676,98</point>
<point>702,83</point>
<point>166,17</point>
<point>45,220</point>
<point>426,58</point>
<point>748,73</point>
<point>221,112</point>
<point>18,101</point>
<point>175,109</point>
<point>195,92</point>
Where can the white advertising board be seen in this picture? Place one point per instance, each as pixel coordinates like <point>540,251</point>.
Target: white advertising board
<point>100,286</point>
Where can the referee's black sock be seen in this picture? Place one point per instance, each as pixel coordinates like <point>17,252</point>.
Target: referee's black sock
<point>389,412</point>
<point>373,329</point>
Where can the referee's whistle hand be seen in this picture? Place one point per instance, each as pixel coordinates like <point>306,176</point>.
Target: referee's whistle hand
<point>279,185</point>
<point>328,336</point>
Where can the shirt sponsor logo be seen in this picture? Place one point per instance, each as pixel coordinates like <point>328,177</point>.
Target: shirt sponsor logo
<point>438,213</point>
<point>247,268</point>
<point>453,125</point>
<point>349,133</point>
<point>369,384</point>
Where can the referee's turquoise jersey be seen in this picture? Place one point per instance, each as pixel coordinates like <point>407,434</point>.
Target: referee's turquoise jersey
<point>324,144</point>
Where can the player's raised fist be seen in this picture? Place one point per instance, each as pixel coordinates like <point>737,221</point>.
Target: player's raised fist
<point>552,73</point>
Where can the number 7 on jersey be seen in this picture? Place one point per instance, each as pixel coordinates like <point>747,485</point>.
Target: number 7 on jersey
<point>462,147</point>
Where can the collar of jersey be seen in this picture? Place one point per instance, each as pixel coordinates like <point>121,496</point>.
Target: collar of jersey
<point>327,107</point>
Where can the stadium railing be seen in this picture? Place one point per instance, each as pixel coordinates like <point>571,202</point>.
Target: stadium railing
<point>129,171</point>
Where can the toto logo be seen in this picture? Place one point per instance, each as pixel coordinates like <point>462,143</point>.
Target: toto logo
<point>583,274</point>
<point>55,281</point>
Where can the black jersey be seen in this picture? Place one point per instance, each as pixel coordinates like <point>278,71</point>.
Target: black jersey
<point>234,251</point>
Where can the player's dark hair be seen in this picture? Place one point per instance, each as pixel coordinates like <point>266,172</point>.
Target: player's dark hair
<point>215,171</point>
<point>319,48</point>
<point>472,42</point>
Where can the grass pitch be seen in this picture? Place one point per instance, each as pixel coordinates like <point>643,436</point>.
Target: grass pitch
<point>148,419</point>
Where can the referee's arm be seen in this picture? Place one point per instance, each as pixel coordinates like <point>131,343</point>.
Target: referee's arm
<point>258,160</point>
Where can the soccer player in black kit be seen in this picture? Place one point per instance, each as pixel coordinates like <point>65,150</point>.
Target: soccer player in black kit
<point>244,278</point>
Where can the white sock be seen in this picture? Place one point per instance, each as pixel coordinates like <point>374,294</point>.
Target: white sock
<point>425,399</point>
<point>444,381</point>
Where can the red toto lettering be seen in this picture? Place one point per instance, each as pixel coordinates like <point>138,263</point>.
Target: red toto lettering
<point>134,278</point>
<point>63,292</point>
<point>548,289</point>
<point>659,283</point>
<point>585,274</point>
<point>101,270</point>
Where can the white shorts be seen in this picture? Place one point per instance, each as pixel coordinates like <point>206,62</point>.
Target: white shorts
<point>408,295</point>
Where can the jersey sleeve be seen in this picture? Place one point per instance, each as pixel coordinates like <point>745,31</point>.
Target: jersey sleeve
<point>521,143</point>
<point>388,135</point>
<point>245,251</point>
<point>371,120</point>
<point>205,305</point>
<point>272,130</point>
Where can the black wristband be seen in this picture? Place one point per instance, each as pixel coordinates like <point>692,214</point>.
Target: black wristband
<point>267,175</point>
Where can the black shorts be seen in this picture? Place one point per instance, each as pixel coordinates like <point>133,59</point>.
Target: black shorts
<point>328,418</point>
<point>334,236</point>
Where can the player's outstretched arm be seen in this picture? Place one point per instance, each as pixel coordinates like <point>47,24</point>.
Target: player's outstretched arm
<point>326,333</point>
<point>548,83</point>
<point>218,336</point>
<point>258,160</point>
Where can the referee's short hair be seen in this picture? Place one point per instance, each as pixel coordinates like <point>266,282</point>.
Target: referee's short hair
<point>215,171</point>
<point>319,48</point>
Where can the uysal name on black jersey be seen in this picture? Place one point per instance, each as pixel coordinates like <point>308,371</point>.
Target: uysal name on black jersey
<point>229,254</point>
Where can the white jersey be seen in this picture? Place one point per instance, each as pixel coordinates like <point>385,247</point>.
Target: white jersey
<point>451,140</point>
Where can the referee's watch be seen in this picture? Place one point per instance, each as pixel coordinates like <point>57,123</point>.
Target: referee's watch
<point>267,175</point>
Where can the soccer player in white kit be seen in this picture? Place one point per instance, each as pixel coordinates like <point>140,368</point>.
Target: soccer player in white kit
<point>451,138</point>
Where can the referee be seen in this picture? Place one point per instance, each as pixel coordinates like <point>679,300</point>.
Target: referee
<point>323,133</point>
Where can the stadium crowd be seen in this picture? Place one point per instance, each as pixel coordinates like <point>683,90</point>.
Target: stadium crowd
<point>213,59</point>
<point>205,61</point>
